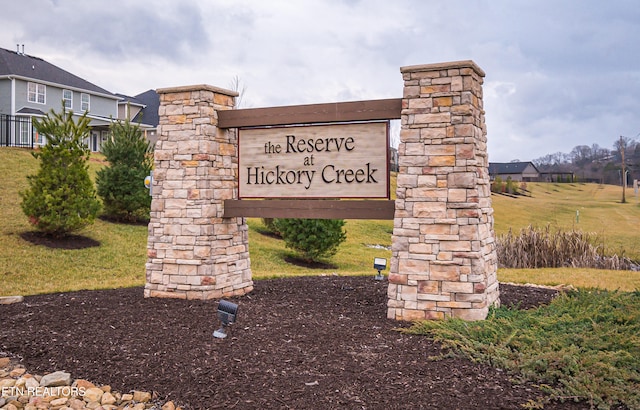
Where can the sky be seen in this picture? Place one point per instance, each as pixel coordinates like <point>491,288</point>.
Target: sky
<point>558,73</point>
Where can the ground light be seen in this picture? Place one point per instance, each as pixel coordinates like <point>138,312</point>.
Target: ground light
<point>227,312</point>
<point>379,264</point>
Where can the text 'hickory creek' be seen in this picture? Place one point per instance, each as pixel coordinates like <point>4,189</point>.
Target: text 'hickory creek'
<point>329,174</point>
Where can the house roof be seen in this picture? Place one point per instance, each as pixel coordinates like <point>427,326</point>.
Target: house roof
<point>27,110</point>
<point>126,99</point>
<point>509,167</point>
<point>22,65</point>
<point>149,114</point>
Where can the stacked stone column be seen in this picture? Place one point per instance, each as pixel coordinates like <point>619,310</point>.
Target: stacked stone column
<point>194,253</point>
<point>444,262</point>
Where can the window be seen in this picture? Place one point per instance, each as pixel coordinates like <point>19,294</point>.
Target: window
<point>67,97</point>
<point>39,139</point>
<point>36,93</point>
<point>94,142</point>
<point>84,102</point>
<point>25,130</point>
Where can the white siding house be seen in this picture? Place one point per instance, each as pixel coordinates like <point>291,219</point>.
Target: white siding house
<point>31,87</point>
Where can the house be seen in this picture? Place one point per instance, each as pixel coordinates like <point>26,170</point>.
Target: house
<point>517,171</point>
<point>142,110</point>
<point>31,87</point>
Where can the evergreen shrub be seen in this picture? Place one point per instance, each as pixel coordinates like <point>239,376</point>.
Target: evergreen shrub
<point>61,197</point>
<point>313,239</point>
<point>121,183</point>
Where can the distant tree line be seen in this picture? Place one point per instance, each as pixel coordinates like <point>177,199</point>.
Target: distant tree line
<point>595,163</point>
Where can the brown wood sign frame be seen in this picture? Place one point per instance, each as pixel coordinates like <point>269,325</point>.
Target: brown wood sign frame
<point>355,111</point>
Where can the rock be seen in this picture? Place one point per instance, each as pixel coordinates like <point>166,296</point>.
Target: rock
<point>59,402</point>
<point>38,402</point>
<point>55,379</point>
<point>107,398</point>
<point>64,394</point>
<point>141,396</point>
<point>31,382</point>
<point>7,300</point>
<point>83,384</point>
<point>93,394</point>
<point>17,372</point>
<point>20,382</point>
<point>7,383</point>
<point>169,406</point>
<point>76,404</point>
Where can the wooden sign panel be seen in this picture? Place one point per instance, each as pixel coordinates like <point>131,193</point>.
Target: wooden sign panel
<point>317,161</point>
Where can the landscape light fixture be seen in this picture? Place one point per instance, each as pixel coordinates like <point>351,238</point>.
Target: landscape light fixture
<point>227,312</point>
<point>379,264</point>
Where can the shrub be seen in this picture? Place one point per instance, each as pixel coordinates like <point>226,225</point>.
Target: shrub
<point>269,223</point>
<point>497,185</point>
<point>511,186</point>
<point>314,239</point>
<point>121,184</point>
<point>61,197</point>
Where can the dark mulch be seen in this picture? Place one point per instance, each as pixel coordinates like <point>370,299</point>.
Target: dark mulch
<point>309,264</point>
<point>66,242</point>
<point>302,343</point>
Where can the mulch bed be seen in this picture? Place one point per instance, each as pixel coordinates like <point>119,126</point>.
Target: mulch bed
<point>319,342</point>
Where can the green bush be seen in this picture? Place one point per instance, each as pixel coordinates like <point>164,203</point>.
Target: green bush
<point>269,224</point>
<point>61,197</point>
<point>121,183</point>
<point>313,239</point>
<point>511,186</point>
<point>497,185</point>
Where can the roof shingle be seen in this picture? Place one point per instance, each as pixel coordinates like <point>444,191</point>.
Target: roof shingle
<point>35,68</point>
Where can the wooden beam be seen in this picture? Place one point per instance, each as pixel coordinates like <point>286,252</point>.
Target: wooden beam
<point>369,110</point>
<point>311,209</point>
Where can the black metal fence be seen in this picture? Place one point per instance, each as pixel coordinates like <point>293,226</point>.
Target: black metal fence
<point>16,131</point>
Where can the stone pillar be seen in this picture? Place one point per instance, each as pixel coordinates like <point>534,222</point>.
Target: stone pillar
<point>194,253</point>
<point>443,262</point>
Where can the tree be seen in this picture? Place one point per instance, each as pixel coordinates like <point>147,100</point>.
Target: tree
<point>238,86</point>
<point>121,183</point>
<point>61,197</point>
<point>621,146</point>
<point>314,239</point>
<point>581,155</point>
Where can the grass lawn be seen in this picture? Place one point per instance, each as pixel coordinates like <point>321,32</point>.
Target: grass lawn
<point>120,259</point>
<point>599,208</point>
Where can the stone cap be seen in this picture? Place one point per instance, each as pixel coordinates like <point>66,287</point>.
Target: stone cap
<point>197,87</point>
<point>444,66</point>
